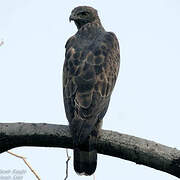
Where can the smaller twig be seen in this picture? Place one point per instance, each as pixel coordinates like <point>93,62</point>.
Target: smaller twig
<point>67,161</point>
<point>24,159</point>
<point>94,177</point>
<point>1,43</point>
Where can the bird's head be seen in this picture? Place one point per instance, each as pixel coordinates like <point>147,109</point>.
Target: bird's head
<point>82,15</point>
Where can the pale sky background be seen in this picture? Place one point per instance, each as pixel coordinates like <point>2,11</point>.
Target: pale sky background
<point>145,101</point>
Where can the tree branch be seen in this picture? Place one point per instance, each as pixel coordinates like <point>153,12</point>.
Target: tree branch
<point>110,143</point>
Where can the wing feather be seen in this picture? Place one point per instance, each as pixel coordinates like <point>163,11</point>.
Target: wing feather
<point>89,76</point>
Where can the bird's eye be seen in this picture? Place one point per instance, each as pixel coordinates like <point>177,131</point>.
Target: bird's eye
<point>83,13</point>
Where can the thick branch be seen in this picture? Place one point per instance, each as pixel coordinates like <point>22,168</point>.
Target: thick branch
<point>111,143</point>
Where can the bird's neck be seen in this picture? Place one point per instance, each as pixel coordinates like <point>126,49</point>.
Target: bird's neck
<point>89,28</point>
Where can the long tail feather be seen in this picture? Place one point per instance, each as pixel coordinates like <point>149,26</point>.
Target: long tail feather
<point>85,161</point>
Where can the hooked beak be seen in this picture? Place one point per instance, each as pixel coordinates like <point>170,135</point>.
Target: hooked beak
<point>72,18</point>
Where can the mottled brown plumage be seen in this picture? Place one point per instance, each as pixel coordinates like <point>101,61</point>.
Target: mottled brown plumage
<point>90,71</point>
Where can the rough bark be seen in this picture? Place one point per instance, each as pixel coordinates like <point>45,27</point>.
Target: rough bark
<point>110,143</point>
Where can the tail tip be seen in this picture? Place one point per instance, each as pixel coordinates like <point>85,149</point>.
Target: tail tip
<point>85,169</point>
<point>85,162</point>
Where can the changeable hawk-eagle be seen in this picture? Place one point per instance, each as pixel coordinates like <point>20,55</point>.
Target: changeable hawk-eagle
<point>90,70</point>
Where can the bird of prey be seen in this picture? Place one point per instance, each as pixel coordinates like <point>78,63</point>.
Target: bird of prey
<point>90,71</point>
